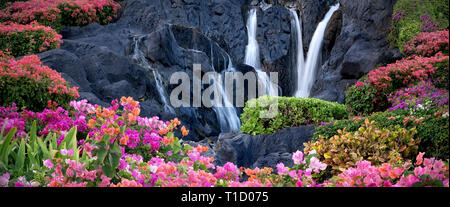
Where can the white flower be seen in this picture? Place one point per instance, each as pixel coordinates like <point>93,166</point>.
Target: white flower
<point>153,168</point>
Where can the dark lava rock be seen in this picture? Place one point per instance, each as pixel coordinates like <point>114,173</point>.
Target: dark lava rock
<point>265,150</point>
<point>360,46</point>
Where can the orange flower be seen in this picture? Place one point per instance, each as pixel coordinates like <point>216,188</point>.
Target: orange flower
<point>131,118</point>
<point>168,141</point>
<point>91,123</point>
<point>175,122</point>
<point>163,131</point>
<point>136,111</point>
<point>53,184</point>
<point>201,148</point>
<point>98,111</point>
<point>109,131</point>
<point>124,140</point>
<point>108,113</point>
<point>184,132</point>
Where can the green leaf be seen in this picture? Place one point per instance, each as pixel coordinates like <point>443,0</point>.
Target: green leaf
<point>101,152</point>
<point>20,159</point>
<point>33,137</point>
<point>108,170</point>
<point>44,149</point>
<point>6,146</point>
<point>70,140</point>
<point>114,159</point>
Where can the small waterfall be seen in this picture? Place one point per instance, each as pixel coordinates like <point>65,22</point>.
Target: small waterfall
<point>139,58</point>
<point>252,54</point>
<point>307,75</point>
<point>300,58</point>
<point>226,114</point>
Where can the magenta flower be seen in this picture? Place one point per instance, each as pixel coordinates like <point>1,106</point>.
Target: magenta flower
<point>298,157</point>
<point>48,164</point>
<point>282,170</point>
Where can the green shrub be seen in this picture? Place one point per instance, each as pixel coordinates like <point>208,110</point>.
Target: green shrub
<point>432,128</point>
<point>32,85</point>
<point>371,93</point>
<point>371,143</point>
<point>410,17</point>
<point>362,98</point>
<point>287,112</point>
<point>28,39</point>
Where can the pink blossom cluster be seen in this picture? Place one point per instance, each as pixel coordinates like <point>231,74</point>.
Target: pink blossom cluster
<point>405,72</point>
<point>428,43</point>
<point>50,11</point>
<point>31,67</point>
<point>424,172</point>
<point>33,37</point>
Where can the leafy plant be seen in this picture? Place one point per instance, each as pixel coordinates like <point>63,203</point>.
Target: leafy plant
<point>287,112</point>
<point>32,85</point>
<point>410,17</point>
<point>27,39</point>
<point>368,143</point>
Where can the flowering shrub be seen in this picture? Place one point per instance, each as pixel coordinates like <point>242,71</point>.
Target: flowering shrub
<point>103,158</point>
<point>25,12</point>
<point>425,172</point>
<point>410,17</point>
<point>32,85</point>
<point>27,39</point>
<point>428,44</point>
<point>83,12</point>
<point>59,13</point>
<point>383,81</point>
<point>421,96</point>
<point>291,112</point>
<point>368,143</point>
<point>363,98</point>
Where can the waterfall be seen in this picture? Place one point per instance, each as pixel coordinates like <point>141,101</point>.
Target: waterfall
<point>300,58</point>
<point>226,114</point>
<point>139,58</point>
<point>307,75</point>
<point>252,54</point>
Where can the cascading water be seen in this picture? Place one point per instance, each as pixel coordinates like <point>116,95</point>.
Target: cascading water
<point>300,58</point>
<point>140,59</point>
<point>252,54</point>
<point>307,75</point>
<point>226,114</point>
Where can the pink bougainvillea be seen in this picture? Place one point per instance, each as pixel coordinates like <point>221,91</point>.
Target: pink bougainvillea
<point>56,12</point>
<point>27,39</point>
<point>428,44</point>
<point>31,67</point>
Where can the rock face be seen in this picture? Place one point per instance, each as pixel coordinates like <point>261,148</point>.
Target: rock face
<point>358,48</point>
<point>265,150</point>
<point>176,34</point>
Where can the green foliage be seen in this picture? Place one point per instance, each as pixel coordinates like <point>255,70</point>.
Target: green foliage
<point>25,156</point>
<point>29,94</point>
<point>270,114</point>
<point>432,128</point>
<point>407,22</point>
<point>360,99</point>
<point>377,145</point>
<point>440,77</point>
